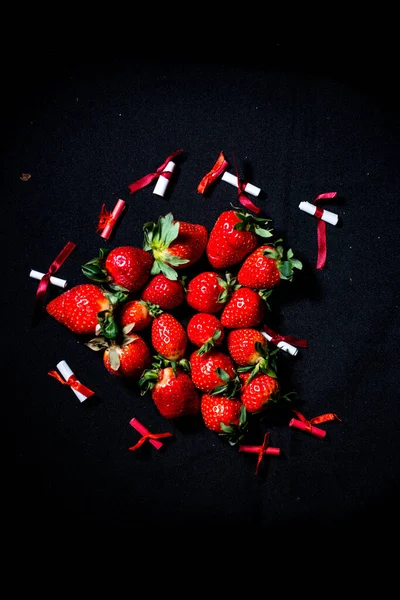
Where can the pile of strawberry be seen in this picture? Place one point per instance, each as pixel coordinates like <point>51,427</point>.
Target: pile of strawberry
<point>219,364</point>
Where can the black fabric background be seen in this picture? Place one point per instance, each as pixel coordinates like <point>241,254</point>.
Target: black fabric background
<point>299,123</point>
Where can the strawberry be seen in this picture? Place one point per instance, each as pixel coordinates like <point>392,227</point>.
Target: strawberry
<point>172,391</point>
<point>137,313</point>
<point>265,267</point>
<point>208,292</point>
<point>249,348</point>
<point>166,293</point>
<point>79,307</point>
<point>169,337</point>
<point>258,392</point>
<point>233,236</point>
<point>225,415</point>
<point>174,244</point>
<point>211,370</point>
<point>205,331</point>
<point>128,359</point>
<point>245,308</point>
<point>125,268</point>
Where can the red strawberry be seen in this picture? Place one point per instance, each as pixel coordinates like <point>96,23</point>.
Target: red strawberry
<point>166,293</point>
<point>233,236</point>
<point>265,267</point>
<point>245,308</point>
<point>174,244</point>
<point>169,337</point>
<point>137,313</point>
<point>172,390</point>
<point>224,415</point>
<point>249,349</point>
<point>128,359</point>
<point>208,292</point>
<point>208,370</point>
<point>78,308</point>
<point>205,331</point>
<point>124,267</point>
<point>259,392</point>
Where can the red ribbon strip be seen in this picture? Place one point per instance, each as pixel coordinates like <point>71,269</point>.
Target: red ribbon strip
<point>143,181</point>
<point>243,199</point>
<point>105,218</point>
<point>321,419</point>
<point>55,265</point>
<point>213,175</point>
<point>262,450</point>
<point>149,436</point>
<point>289,339</point>
<point>73,382</point>
<point>321,230</point>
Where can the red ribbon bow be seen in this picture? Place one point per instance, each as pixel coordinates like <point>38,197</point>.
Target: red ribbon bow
<point>73,382</point>
<point>212,175</point>
<point>150,436</point>
<point>105,218</point>
<point>289,339</point>
<point>321,229</point>
<point>321,419</point>
<point>55,265</point>
<point>143,181</point>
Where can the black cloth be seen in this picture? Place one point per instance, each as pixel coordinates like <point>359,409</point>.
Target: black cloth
<point>294,122</point>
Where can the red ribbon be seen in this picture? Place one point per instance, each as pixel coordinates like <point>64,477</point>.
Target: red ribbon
<point>105,218</point>
<point>289,339</point>
<point>149,436</point>
<point>262,450</point>
<point>316,420</point>
<point>243,199</point>
<point>321,230</point>
<point>73,383</point>
<point>212,175</point>
<point>55,265</point>
<point>143,181</point>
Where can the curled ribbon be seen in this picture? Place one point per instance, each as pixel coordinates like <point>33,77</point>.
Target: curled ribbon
<point>321,229</point>
<point>243,199</point>
<point>44,282</point>
<point>143,181</point>
<point>73,382</point>
<point>212,175</point>
<point>262,450</point>
<point>289,339</point>
<point>150,436</point>
<point>106,218</point>
<point>321,419</point>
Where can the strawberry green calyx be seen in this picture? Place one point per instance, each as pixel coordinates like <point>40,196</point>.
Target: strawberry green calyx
<point>229,387</point>
<point>157,239</point>
<point>150,376</point>
<point>284,265</point>
<point>229,285</point>
<point>233,433</point>
<point>210,343</point>
<point>94,269</point>
<point>265,365</point>
<point>249,222</point>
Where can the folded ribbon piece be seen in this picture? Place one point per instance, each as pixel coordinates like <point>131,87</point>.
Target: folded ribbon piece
<point>308,424</point>
<point>213,175</point>
<point>161,172</point>
<point>321,229</point>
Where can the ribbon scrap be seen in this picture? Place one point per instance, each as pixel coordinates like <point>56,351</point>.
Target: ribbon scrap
<point>161,172</point>
<point>321,229</point>
<point>307,424</point>
<point>55,265</point>
<point>242,198</point>
<point>289,339</point>
<point>261,450</point>
<point>210,177</point>
<point>147,435</point>
<point>73,382</point>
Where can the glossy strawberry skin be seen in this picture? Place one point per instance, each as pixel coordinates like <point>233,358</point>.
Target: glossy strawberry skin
<point>227,246</point>
<point>190,243</point>
<point>259,271</point>
<point>129,267</point>
<point>202,326</point>
<point>256,394</point>
<point>169,337</point>
<point>203,292</point>
<point>241,345</point>
<point>245,308</point>
<point>175,396</point>
<point>135,312</point>
<point>203,369</point>
<point>166,293</point>
<point>219,409</point>
<point>134,358</point>
<point>77,308</point>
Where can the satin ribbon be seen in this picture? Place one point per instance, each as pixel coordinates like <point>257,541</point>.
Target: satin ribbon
<point>262,450</point>
<point>321,419</point>
<point>243,199</point>
<point>289,339</point>
<point>143,181</point>
<point>106,218</point>
<point>212,175</point>
<point>321,229</point>
<point>150,436</point>
<point>73,382</point>
<point>44,282</point>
